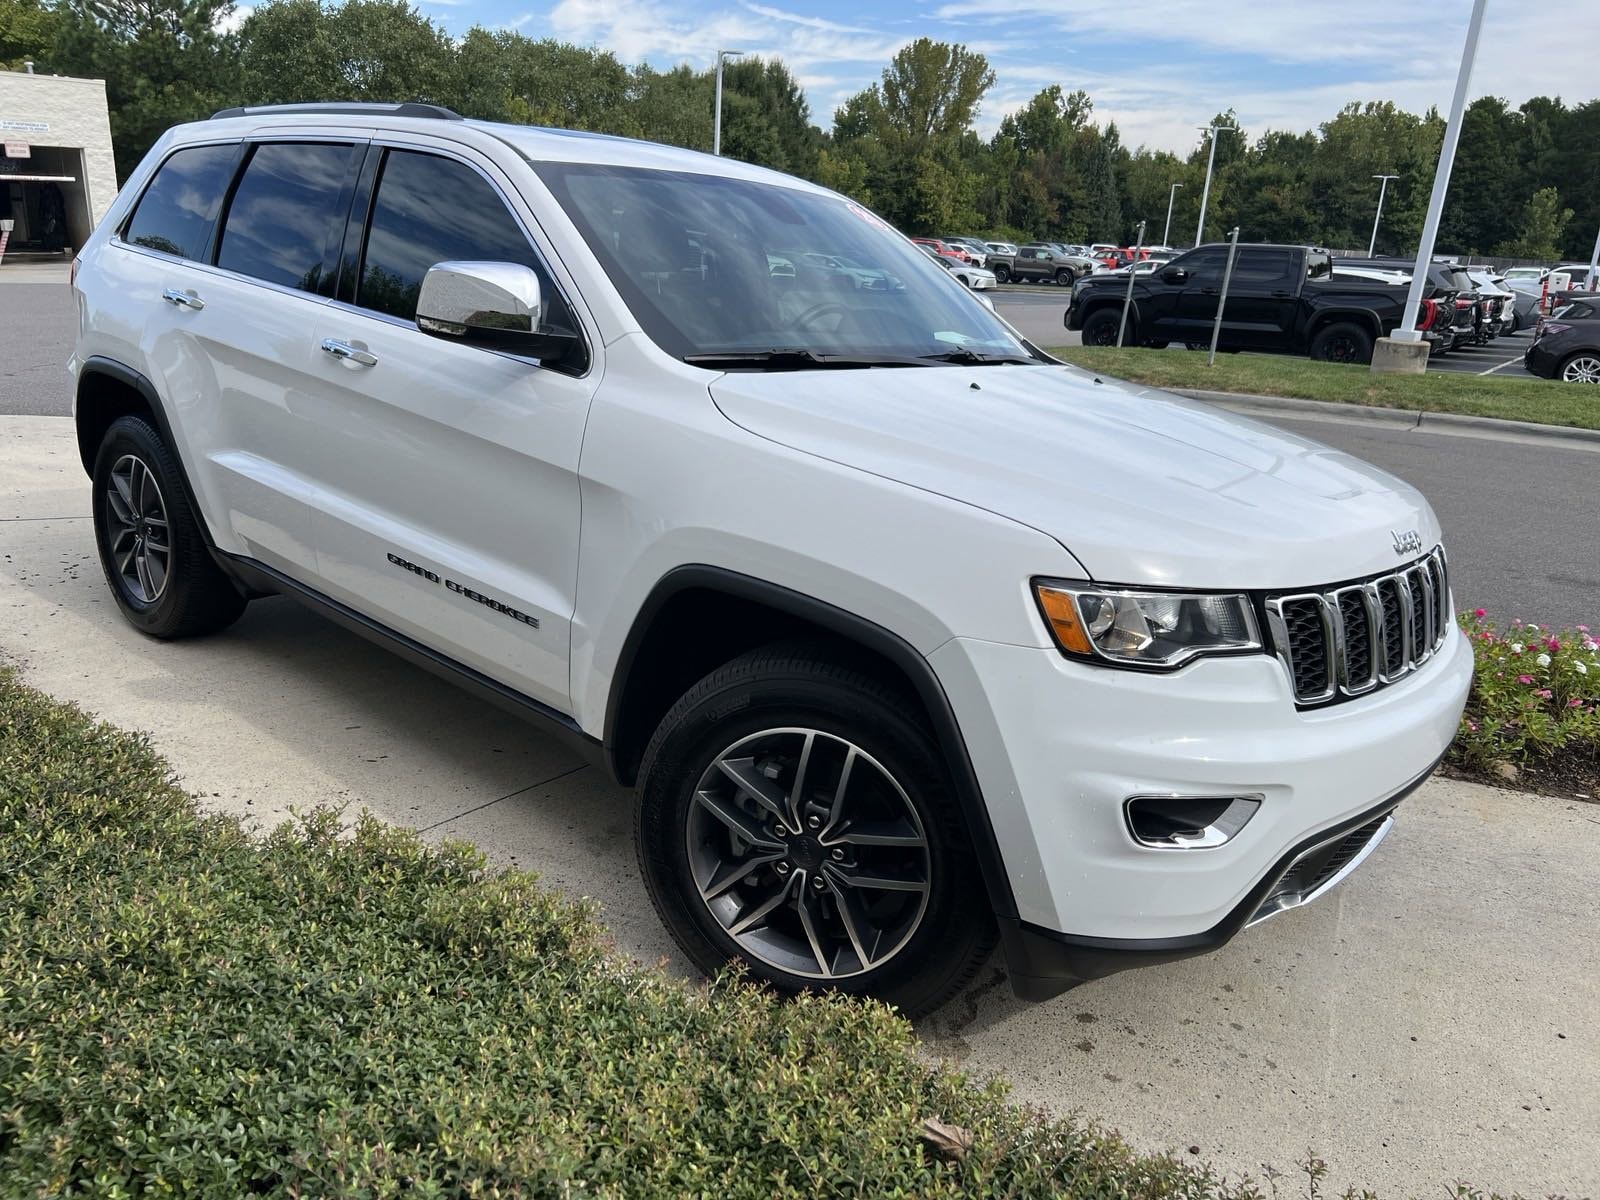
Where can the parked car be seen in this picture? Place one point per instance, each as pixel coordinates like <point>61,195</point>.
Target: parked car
<point>1280,298</point>
<point>1500,299</point>
<point>1002,249</point>
<point>975,278</point>
<point>816,568</point>
<point>1533,275</point>
<point>1037,260</point>
<point>947,250</point>
<point>1566,345</point>
<point>973,246</point>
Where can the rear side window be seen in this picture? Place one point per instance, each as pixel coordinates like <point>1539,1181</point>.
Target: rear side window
<point>431,210</point>
<point>288,213</point>
<point>1261,267</point>
<point>178,209</point>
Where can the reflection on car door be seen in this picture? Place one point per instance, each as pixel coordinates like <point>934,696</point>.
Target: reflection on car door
<point>1196,306</point>
<point>1262,297</point>
<point>454,516</point>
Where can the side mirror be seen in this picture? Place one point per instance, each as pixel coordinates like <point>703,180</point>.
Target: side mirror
<point>1174,275</point>
<point>494,304</point>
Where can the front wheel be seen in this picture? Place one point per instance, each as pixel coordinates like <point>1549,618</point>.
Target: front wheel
<point>1101,328</point>
<point>1342,342</point>
<point>1583,367</point>
<point>1065,277</point>
<point>794,817</point>
<point>1002,273</point>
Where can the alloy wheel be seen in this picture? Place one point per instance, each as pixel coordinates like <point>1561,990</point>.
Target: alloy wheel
<point>1583,369</point>
<point>808,853</point>
<point>141,545</point>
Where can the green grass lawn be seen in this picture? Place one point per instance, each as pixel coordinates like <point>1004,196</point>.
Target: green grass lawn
<point>1541,400</point>
<point>188,1011</point>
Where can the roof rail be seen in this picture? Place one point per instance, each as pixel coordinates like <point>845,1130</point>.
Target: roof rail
<point>437,112</point>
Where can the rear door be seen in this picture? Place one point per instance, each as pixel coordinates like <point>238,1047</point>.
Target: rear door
<point>1262,297</point>
<point>451,506</point>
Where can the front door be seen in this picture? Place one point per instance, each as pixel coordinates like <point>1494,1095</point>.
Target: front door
<point>452,512</point>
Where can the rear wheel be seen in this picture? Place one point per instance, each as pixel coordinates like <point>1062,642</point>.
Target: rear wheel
<point>151,548</point>
<point>1583,367</point>
<point>1002,273</point>
<point>794,817</point>
<point>1065,277</point>
<point>1101,328</point>
<point>1342,342</point>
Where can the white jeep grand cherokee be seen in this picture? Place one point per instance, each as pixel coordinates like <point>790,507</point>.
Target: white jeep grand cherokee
<point>910,636</point>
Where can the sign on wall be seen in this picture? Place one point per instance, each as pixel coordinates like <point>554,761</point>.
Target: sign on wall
<point>18,150</point>
<point>9,126</point>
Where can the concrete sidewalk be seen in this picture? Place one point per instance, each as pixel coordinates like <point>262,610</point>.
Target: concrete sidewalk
<point>1437,1018</point>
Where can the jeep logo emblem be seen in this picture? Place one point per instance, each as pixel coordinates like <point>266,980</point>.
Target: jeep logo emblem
<point>1407,542</point>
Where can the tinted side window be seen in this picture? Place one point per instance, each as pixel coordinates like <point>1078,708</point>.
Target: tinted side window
<point>288,213</point>
<point>432,210</point>
<point>1204,267</point>
<point>178,209</point>
<point>1257,268</point>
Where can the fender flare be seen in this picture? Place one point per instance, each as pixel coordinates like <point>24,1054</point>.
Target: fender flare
<point>885,642</point>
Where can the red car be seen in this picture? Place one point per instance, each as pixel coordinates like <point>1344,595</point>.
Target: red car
<point>947,250</point>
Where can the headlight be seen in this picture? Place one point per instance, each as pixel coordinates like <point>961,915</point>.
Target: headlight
<point>1145,629</point>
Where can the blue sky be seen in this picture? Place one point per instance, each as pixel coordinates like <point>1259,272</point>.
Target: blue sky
<point>1158,67</point>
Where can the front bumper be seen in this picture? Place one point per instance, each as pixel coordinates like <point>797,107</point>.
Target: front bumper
<point>1059,746</point>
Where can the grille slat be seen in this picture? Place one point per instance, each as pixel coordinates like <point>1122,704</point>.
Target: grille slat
<point>1352,639</point>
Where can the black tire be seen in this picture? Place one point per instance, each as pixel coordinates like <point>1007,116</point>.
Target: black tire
<point>1342,342</point>
<point>1002,273</point>
<point>1584,365</point>
<point>1100,328</point>
<point>1513,322</point>
<point>1065,277</point>
<point>760,695</point>
<point>1158,345</point>
<point>193,597</point>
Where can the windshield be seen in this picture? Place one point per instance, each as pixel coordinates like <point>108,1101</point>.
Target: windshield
<point>718,267</point>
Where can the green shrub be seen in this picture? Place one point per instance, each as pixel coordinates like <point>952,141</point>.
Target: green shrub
<point>1534,693</point>
<point>346,1012</point>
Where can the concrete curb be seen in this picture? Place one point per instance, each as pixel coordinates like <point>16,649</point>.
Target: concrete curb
<point>1409,418</point>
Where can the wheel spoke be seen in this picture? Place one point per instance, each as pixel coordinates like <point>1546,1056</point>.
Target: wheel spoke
<point>877,833</point>
<point>836,809</point>
<point>117,501</point>
<point>141,565</point>
<point>748,919</point>
<point>124,560</point>
<point>797,798</point>
<point>729,873</point>
<point>140,476</point>
<point>808,922</point>
<point>871,879</point>
<point>863,939</point>
<point>155,567</point>
<point>757,786</point>
<point>735,818</point>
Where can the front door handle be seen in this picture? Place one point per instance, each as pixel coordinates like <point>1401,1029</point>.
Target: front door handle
<point>183,299</point>
<point>349,353</point>
<point>1209,291</point>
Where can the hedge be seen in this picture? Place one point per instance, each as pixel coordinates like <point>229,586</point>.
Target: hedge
<point>334,1011</point>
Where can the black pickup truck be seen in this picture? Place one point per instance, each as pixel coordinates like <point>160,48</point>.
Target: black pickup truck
<point>1280,298</point>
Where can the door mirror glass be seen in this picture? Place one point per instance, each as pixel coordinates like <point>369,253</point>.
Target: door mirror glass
<point>494,304</point>
<point>1174,275</point>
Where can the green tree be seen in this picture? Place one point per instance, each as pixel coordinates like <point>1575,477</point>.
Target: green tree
<point>164,61</point>
<point>1542,225</point>
<point>504,76</point>
<point>766,118</point>
<point>27,31</point>
<point>302,50</point>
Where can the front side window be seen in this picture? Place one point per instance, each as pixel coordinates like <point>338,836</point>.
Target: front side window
<point>288,213</point>
<point>178,209</point>
<point>694,258</point>
<point>430,210</point>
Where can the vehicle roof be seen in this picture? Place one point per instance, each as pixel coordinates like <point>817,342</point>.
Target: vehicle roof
<point>533,142</point>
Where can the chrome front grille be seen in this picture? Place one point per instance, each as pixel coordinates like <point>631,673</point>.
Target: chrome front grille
<point>1353,639</point>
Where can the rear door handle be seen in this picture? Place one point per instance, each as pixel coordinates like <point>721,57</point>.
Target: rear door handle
<point>1208,291</point>
<point>183,299</point>
<point>349,353</point>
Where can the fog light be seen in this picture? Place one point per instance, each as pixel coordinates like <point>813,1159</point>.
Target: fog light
<point>1188,822</point>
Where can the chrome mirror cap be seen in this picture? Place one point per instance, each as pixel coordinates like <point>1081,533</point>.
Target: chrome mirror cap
<point>470,300</point>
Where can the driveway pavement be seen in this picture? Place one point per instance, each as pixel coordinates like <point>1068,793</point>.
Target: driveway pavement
<point>1436,1018</point>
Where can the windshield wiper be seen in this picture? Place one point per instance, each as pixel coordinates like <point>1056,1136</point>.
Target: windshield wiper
<point>975,358</point>
<point>787,359</point>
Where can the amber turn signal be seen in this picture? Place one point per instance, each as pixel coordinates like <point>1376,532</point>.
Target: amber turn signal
<point>1061,611</point>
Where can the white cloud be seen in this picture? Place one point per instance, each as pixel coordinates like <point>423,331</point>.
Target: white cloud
<point>230,21</point>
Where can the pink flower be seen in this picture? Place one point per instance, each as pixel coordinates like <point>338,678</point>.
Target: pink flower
<point>1480,613</point>
<point>1472,725</point>
<point>1553,646</point>
<point>1575,703</point>
<point>1524,678</point>
<point>1516,620</point>
<point>1542,693</point>
<point>1583,629</point>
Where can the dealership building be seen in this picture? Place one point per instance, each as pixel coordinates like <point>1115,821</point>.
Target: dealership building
<point>57,174</point>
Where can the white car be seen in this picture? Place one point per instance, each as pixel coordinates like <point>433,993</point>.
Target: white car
<point>911,638</point>
<point>976,278</point>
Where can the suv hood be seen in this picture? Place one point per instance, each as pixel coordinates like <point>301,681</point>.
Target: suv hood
<point>1142,487</point>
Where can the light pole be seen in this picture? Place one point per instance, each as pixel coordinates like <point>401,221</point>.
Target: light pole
<point>1211,158</point>
<point>1408,331</point>
<point>1171,196</point>
<point>1382,189</point>
<point>716,122</point>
